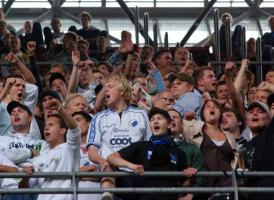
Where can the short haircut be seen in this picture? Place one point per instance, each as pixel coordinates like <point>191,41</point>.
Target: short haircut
<point>220,83</point>
<point>61,120</point>
<point>13,76</point>
<point>63,67</point>
<point>237,115</point>
<point>82,14</point>
<point>82,41</point>
<point>158,54</point>
<point>199,74</point>
<point>85,115</point>
<point>123,84</point>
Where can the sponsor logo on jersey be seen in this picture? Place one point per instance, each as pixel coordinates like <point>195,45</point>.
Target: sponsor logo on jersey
<point>120,141</point>
<point>19,145</point>
<point>116,130</point>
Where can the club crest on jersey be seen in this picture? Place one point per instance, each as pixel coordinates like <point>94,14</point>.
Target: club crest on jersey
<point>133,123</point>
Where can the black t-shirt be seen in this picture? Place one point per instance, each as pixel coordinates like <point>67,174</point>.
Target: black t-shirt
<point>156,158</point>
<point>89,35</point>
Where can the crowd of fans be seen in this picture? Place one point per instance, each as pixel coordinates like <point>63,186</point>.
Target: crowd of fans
<point>130,109</point>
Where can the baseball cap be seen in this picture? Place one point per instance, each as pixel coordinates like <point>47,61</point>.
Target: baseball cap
<point>14,104</point>
<point>258,104</point>
<point>182,77</point>
<point>51,93</point>
<point>270,100</point>
<point>160,111</point>
<point>55,76</point>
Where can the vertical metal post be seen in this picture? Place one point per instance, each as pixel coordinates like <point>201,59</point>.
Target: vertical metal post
<point>155,37</point>
<point>166,41</point>
<point>177,45</point>
<point>259,68</point>
<point>243,41</point>
<point>74,185</point>
<point>217,49</point>
<point>234,184</point>
<point>146,18</point>
<point>228,41</point>
<point>137,25</point>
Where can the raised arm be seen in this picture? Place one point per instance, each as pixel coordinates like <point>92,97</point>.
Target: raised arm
<point>73,81</point>
<point>238,82</point>
<point>12,58</point>
<point>54,104</point>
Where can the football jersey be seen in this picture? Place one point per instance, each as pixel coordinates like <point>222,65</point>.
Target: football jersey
<point>111,131</point>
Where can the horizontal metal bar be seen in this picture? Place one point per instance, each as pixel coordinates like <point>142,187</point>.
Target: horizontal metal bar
<point>239,62</point>
<point>59,175</point>
<point>138,190</point>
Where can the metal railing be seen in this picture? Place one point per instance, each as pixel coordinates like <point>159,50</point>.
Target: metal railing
<point>75,190</point>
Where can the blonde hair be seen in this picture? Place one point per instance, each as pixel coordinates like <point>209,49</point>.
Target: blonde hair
<point>74,96</point>
<point>123,84</point>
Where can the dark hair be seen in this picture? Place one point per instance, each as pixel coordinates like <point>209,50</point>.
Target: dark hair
<point>237,115</point>
<point>87,117</point>
<point>220,83</point>
<point>158,54</point>
<point>203,108</point>
<point>12,76</point>
<point>61,120</point>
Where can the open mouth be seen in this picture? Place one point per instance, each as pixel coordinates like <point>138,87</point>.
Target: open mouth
<point>47,134</point>
<point>20,94</point>
<point>255,120</point>
<point>156,128</point>
<point>107,96</point>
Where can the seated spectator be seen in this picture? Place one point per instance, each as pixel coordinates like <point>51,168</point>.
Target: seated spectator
<point>158,154</point>
<point>251,49</point>
<point>15,47</point>
<point>163,60</point>
<point>83,48</point>
<point>5,43</point>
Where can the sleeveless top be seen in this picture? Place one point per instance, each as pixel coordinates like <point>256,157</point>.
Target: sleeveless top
<point>217,158</point>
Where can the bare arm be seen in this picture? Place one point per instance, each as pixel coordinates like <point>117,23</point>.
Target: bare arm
<point>6,168</point>
<point>237,101</point>
<point>73,81</point>
<point>94,156</point>
<point>238,82</point>
<point>8,85</point>
<point>12,58</point>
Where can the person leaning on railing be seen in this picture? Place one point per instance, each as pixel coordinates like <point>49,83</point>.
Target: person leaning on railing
<point>160,153</point>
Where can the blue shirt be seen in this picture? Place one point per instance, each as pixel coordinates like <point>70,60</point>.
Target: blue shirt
<point>189,102</point>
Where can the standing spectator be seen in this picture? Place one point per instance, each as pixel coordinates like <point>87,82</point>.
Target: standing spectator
<point>56,28</point>
<point>87,32</point>
<point>158,154</point>
<point>59,153</point>
<point>103,51</point>
<point>25,37</point>
<point>163,61</point>
<point>83,120</point>
<point>116,127</point>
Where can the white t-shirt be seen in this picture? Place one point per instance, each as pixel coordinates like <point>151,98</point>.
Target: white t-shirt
<point>111,132</point>
<point>7,182</point>
<point>62,158</point>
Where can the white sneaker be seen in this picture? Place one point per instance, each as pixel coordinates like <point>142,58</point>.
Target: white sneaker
<point>107,196</point>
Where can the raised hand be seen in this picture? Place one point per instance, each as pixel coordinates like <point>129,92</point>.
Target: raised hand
<point>31,47</point>
<point>75,57</point>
